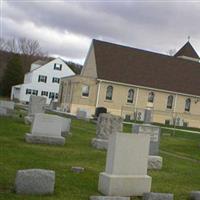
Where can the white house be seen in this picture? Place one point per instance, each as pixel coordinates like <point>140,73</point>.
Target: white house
<point>42,80</point>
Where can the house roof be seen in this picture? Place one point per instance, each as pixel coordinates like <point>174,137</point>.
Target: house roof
<point>41,62</point>
<point>143,68</point>
<point>187,50</point>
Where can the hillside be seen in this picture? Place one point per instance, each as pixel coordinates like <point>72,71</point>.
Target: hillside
<point>27,60</point>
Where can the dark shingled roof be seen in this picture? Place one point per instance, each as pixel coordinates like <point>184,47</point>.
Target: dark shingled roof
<point>187,50</point>
<point>143,68</point>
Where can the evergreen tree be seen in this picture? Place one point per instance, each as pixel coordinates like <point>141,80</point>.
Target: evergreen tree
<point>13,74</point>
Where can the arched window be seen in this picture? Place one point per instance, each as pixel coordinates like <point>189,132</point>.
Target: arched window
<point>109,92</point>
<point>151,97</point>
<point>130,96</point>
<point>187,104</point>
<point>170,100</point>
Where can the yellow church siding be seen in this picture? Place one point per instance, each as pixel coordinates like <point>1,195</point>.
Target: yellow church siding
<point>119,106</point>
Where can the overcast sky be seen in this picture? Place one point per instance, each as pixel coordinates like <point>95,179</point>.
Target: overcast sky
<point>66,28</point>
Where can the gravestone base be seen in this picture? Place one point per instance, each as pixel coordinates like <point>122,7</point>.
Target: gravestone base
<point>195,195</point>
<point>124,185</point>
<point>155,162</point>
<point>35,139</point>
<point>109,198</point>
<point>158,196</point>
<point>28,120</point>
<point>100,143</point>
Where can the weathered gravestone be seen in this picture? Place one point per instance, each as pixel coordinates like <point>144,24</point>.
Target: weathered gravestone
<point>158,196</point>
<point>107,124</point>
<point>7,104</point>
<point>36,105</point>
<point>35,182</point>
<point>154,132</point>
<point>66,124</point>
<point>46,129</point>
<point>53,105</point>
<point>81,114</point>
<point>77,169</point>
<point>6,108</point>
<point>155,160</point>
<point>3,111</point>
<point>126,166</point>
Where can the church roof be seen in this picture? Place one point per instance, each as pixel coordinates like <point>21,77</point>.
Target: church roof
<point>187,50</point>
<point>144,68</point>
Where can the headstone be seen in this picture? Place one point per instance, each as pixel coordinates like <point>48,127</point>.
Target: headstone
<point>155,162</point>
<point>100,110</point>
<point>3,111</point>
<point>195,195</point>
<point>81,114</point>
<point>158,196</point>
<point>147,116</point>
<point>36,105</point>
<point>154,132</point>
<point>46,129</point>
<point>77,169</point>
<point>66,124</point>
<point>53,105</point>
<point>35,182</point>
<point>6,108</point>
<point>7,104</point>
<point>28,119</point>
<point>106,124</point>
<point>126,166</point>
<point>108,198</point>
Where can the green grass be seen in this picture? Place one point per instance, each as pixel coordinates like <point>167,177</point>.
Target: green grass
<point>178,176</point>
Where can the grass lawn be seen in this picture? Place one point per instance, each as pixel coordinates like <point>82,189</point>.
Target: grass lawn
<point>178,176</point>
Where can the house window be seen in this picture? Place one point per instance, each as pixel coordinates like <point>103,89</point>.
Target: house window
<point>28,91</point>
<point>109,92</point>
<point>35,92</point>
<point>130,96</point>
<point>151,97</point>
<point>85,90</point>
<point>55,80</point>
<point>58,66</point>
<point>44,93</point>
<point>187,104</point>
<point>51,95</point>
<point>170,100</point>
<point>42,78</point>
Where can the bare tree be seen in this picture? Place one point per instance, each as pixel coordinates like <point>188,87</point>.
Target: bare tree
<point>29,47</point>
<point>29,50</point>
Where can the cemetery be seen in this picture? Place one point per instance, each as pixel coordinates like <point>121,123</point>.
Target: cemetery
<point>58,157</point>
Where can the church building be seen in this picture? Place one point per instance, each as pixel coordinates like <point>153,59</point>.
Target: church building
<point>127,80</point>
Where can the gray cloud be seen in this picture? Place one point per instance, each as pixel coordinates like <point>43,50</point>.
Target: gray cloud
<point>157,26</point>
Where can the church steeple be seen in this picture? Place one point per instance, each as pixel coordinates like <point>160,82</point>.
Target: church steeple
<point>187,52</point>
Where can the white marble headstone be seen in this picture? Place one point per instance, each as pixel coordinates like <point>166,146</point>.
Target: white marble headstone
<point>36,105</point>
<point>47,125</point>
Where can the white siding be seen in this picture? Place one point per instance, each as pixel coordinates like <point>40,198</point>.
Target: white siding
<point>31,80</point>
